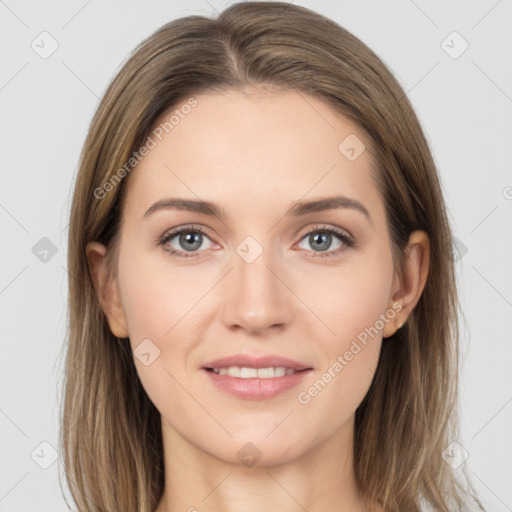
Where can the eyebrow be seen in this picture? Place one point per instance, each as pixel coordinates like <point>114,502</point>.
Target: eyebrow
<point>296,210</point>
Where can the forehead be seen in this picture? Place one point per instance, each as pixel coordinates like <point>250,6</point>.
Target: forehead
<point>252,149</point>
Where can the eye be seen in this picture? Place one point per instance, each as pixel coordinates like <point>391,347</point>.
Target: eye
<point>321,239</point>
<point>189,238</point>
<point>186,241</point>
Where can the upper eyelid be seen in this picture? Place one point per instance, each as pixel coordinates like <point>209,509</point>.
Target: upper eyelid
<point>171,233</point>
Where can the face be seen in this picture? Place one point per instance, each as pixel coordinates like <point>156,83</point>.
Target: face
<point>259,281</point>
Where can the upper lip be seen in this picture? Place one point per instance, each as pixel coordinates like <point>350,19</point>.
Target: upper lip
<point>247,361</point>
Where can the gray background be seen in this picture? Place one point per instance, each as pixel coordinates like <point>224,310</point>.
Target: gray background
<point>464,103</point>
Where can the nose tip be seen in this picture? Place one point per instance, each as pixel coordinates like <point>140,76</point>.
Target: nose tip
<point>255,313</point>
<point>257,300</point>
<point>256,320</point>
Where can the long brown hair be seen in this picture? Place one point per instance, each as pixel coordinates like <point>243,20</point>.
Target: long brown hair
<point>111,432</point>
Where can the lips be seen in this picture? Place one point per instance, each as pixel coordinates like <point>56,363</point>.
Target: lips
<point>255,378</point>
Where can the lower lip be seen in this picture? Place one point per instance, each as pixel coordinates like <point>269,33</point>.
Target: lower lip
<point>256,389</point>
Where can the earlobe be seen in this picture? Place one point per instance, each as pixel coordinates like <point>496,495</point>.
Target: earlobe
<point>106,289</point>
<point>410,285</point>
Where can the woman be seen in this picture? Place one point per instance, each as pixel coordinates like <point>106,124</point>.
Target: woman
<point>263,311</point>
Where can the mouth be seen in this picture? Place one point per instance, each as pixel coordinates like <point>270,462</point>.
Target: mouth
<point>246,372</point>
<point>255,378</point>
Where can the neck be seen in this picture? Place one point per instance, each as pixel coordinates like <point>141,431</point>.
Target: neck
<point>320,479</point>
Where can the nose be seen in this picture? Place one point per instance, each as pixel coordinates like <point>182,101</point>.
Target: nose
<point>258,299</point>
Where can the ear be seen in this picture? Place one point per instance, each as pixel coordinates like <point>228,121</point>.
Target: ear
<point>407,289</point>
<point>106,289</point>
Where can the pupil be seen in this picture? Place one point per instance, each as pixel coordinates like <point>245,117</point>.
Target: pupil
<point>189,240</point>
<point>324,240</point>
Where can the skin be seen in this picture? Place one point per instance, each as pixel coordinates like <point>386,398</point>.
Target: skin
<point>254,153</point>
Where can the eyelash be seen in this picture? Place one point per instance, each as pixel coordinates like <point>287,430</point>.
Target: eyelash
<point>345,238</point>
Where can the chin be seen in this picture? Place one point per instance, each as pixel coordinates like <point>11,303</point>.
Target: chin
<point>249,454</point>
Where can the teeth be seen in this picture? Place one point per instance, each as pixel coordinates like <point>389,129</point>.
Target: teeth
<point>234,371</point>
<point>266,373</point>
<point>253,373</point>
<point>247,373</point>
<point>279,371</point>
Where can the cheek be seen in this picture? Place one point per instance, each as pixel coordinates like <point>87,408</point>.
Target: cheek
<point>158,303</point>
<point>156,295</point>
<point>357,297</point>
<point>356,309</point>
<point>164,308</point>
